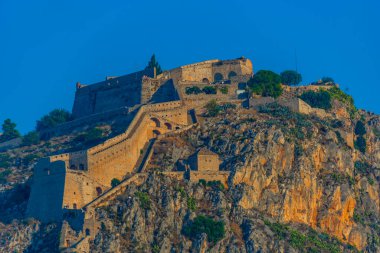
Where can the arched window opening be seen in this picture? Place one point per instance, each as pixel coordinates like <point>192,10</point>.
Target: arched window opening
<point>156,122</point>
<point>168,126</point>
<point>231,74</point>
<point>156,133</point>
<point>74,206</point>
<point>87,232</point>
<point>99,191</point>
<point>205,80</point>
<point>218,77</point>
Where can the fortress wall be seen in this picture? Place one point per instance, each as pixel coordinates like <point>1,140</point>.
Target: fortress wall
<point>79,189</point>
<point>45,202</point>
<point>123,91</point>
<point>117,161</point>
<point>221,176</point>
<point>199,100</point>
<point>239,66</point>
<point>177,175</point>
<point>178,116</point>
<point>78,160</point>
<point>197,72</point>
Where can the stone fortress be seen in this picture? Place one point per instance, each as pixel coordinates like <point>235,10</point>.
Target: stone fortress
<point>153,106</point>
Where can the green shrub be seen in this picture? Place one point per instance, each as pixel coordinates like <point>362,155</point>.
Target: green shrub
<point>224,89</point>
<point>193,90</point>
<point>115,182</point>
<point>266,83</point>
<point>327,79</point>
<point>209,90</point>
<point>191,204</point>
<point>291,77</point>
<point>53,119</point>
<point>212,108</point>
<point>143,199</point>
<point>215,184</point>
<point>362,167</point>
<point>91,137</point>
<point>202,182</point>
<point>31,138</point>
<point>346,99</point>
<point>320,99</point>
<point>30,158</point>
<point>3,176</point>
<point>297,240</point>
<point>5,161</point>
<point>279,229</point>
<point>360,128</point>
<point>9,131</point>
<point>214,229</point>
<point>360,144</point>
<point>181,190</point>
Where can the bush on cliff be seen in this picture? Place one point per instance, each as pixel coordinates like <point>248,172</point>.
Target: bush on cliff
<point>360,128</point>
<point>212,108</point>
<point>91,137</point>
<point>31,138</point>
<point>209,90</point>
<point>193,90</point>
<point>360,144</point>
<point>9,131</point>
<point>202,224</point>
<point>143,199</point>
<point>5,161</point>
<point>53,119</point>
<point>327,79</point>
<point>346,99</point>
<point>320,99</point>
<point>115,182</point>
<point>266,83</point>
<point>291,77</point>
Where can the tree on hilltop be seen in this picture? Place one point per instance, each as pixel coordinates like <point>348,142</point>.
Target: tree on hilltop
<point>291,77</point>
<point>266,83</point>
<point>9,131</point>
<point>54,118</point>
<point>327,79</point>
<point>154,63</point>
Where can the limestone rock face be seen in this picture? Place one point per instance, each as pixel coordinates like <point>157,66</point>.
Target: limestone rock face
<point>303,172</point>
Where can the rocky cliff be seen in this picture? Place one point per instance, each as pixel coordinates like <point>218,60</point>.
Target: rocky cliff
<point>297,184</point>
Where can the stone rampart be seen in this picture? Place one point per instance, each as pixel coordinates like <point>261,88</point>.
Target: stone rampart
<point>123,91</point>
<point>221,176</point>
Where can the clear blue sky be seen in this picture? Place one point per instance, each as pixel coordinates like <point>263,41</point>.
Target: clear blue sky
<point>47,46</point>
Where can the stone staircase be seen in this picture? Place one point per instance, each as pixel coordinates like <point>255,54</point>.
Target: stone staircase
<point>145,156</point>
